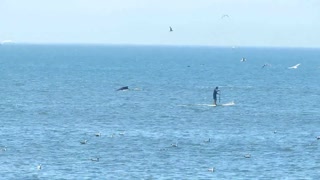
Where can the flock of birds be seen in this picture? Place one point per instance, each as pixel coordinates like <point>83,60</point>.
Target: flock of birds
<point>82,142</point>
<point>266,65</point>
<point>212,169</point>
<point>222,17</point>
<point>85,141</point>
<point>244,59</point>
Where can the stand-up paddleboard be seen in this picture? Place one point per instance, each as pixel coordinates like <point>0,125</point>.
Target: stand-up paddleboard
<point>225,104</point>
<point>212,105</point>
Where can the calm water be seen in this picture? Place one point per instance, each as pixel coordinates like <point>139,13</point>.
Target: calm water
<point>53,97</point>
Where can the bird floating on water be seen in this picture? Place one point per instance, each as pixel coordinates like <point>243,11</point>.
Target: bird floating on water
<point>122,133</point>
<point>243,59</point>
<point>83,142</point>
<point>95,159</point>
<point>174,145</point>
<point>247,156</point>
<point>170,29</point>
<point>265,65</point>
<point>98,134</point>
<point>294,67</point>
<point>211,169</point>
<point>39,167</point>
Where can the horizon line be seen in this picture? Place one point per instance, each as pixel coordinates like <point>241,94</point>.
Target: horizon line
<point>154,45</point>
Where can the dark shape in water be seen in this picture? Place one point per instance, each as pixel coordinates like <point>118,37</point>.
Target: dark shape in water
<point>95,159</point>
<point>123,88</point>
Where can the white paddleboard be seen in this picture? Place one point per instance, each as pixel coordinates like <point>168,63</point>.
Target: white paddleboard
<point>212,105</point>
<point>209,105</point>
<point>206,105</point>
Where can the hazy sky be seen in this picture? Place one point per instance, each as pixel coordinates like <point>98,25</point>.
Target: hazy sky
<point>195,22</point>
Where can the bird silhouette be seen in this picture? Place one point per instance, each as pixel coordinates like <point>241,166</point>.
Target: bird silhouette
<point>224,16</point>
<point>294,67</point>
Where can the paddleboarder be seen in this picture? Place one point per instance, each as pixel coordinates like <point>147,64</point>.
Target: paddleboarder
<point>215,93</point>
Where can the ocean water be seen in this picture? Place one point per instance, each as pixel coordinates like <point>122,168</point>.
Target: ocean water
<point>55,96</point>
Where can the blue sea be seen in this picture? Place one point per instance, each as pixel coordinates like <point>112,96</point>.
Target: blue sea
<point>52,97</point>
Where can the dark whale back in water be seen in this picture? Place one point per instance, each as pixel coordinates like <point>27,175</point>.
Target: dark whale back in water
<point>123,88</point>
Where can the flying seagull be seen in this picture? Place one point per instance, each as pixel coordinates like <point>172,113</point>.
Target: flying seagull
<point>224,16</point>
<point>170,29</point>
<point>294,67</point>
<point>265,65</point>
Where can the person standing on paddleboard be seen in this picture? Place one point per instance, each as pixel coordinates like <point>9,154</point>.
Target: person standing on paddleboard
<point>215,93</point>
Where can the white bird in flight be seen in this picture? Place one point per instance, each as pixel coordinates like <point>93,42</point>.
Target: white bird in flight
<point>294,67</point>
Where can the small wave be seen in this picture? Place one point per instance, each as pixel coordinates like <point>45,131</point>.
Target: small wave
<point>229,104</point>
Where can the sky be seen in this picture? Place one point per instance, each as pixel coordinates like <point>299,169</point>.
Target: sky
<point>267,23</point>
